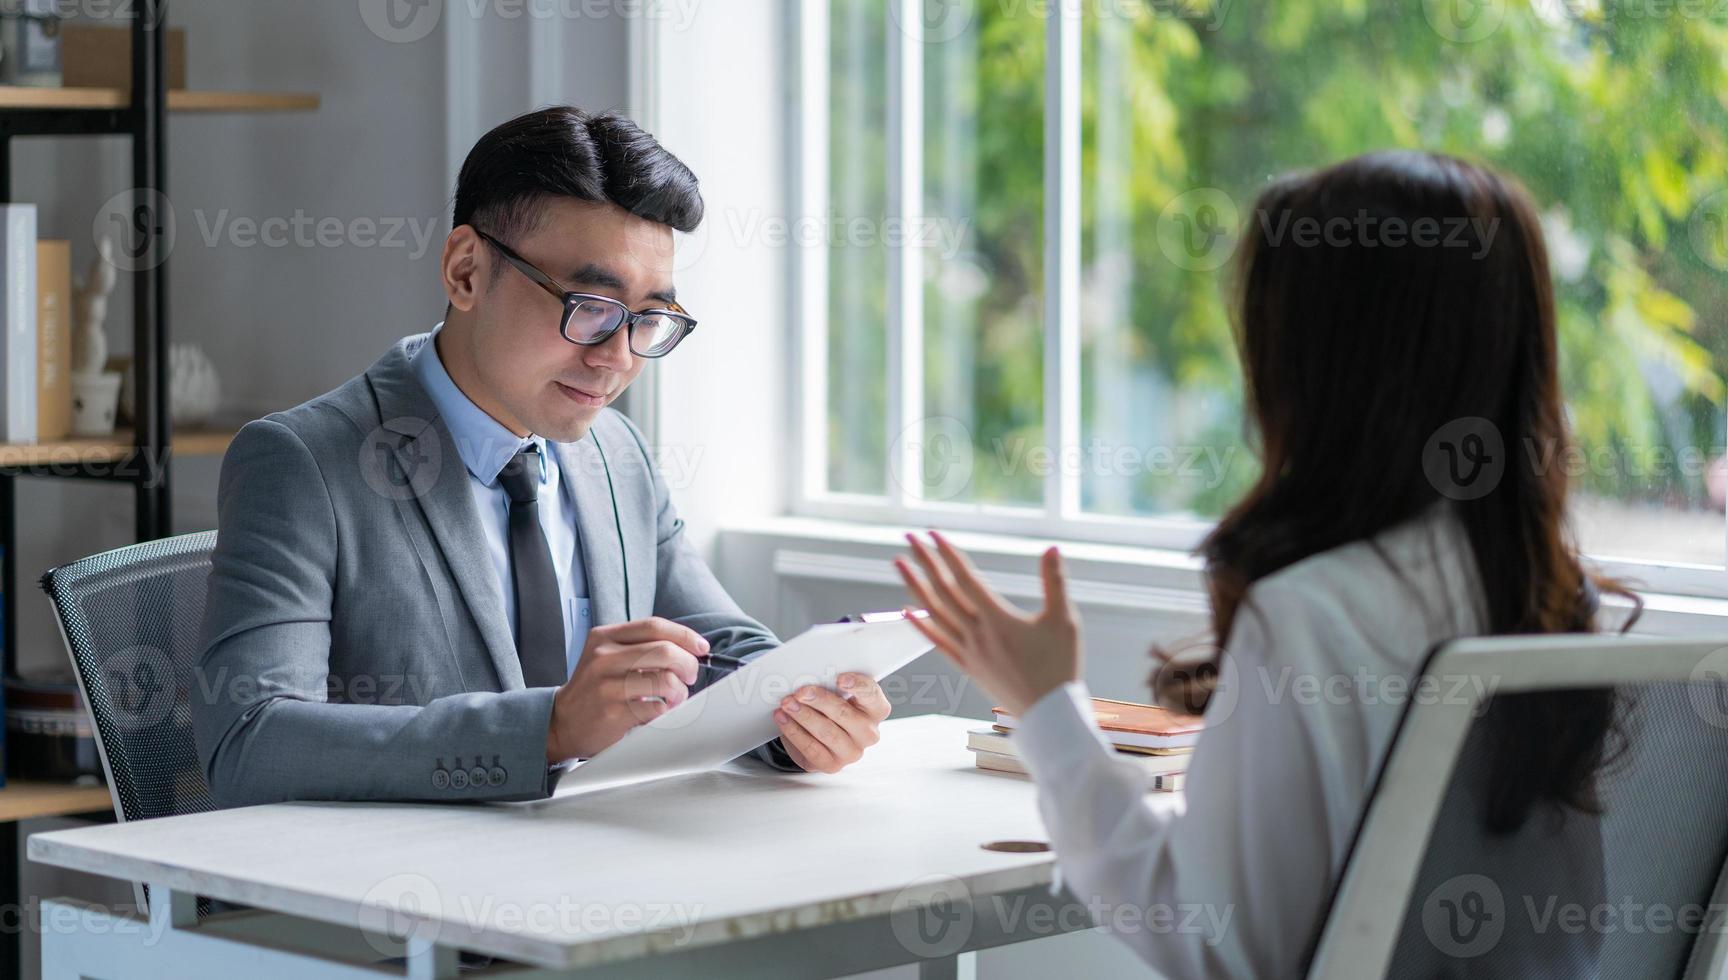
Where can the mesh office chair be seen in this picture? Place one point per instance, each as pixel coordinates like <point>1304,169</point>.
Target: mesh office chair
<point>131,621</point>
<point>1636,890</point>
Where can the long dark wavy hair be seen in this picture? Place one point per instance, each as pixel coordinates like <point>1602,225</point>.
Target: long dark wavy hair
<point>1360,344</point>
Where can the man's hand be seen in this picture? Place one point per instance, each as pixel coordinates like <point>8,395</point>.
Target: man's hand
<point>624,667</point>
<point>826,732</point>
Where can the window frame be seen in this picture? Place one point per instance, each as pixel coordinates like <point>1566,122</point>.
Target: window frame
<point>1060,517</point>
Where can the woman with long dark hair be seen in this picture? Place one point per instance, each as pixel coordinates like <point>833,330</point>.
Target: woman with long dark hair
<point>1395,322</point>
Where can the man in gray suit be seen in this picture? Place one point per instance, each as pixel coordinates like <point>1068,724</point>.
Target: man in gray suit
<point>460,570</point>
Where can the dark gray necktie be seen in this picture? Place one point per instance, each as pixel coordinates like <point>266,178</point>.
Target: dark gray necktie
<point>539,607</point>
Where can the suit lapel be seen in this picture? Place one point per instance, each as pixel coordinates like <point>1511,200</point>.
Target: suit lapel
<point>597,523</point>
<point>437,483</point>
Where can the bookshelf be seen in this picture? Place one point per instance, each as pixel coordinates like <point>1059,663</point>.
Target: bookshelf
<point>179,100</point>
<point>139,456</point>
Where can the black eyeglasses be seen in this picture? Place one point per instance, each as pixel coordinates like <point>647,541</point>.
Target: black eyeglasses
<point>591,320</point>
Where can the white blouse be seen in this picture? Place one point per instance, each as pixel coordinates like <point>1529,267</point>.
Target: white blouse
<point>1227,879</point>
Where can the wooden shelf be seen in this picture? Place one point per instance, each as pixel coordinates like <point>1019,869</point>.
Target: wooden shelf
<point>109,449</point>
<point>179,100</point>
<point>26,801</point>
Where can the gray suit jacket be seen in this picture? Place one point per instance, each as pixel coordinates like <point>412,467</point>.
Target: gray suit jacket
<point>356,645</point>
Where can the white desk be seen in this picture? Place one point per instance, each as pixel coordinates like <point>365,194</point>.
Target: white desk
<point>741,871</point>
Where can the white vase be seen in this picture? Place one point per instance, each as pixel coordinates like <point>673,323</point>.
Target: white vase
<point>94,398</point>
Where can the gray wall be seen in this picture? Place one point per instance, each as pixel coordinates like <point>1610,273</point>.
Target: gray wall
<point>282,323</point>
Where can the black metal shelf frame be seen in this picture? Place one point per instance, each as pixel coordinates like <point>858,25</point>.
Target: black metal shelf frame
<point>145,122</point>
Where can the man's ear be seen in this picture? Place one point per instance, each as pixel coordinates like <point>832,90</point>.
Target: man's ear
<point>464,268</point>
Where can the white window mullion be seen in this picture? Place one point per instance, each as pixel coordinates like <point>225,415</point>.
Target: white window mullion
<point>1062,253</point>
<point>810,117</point>
<point>905,340</point>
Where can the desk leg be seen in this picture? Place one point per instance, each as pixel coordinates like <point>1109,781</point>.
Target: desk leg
<point>14,917</point>
<point>963,966</point>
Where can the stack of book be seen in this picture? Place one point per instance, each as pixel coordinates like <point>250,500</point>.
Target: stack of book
<point>1154,740</point>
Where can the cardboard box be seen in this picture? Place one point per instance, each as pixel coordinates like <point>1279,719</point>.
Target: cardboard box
<point>101,57</point>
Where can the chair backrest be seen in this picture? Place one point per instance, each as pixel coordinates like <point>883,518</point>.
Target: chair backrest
<point>1636,889</point>
<point>131,620</point>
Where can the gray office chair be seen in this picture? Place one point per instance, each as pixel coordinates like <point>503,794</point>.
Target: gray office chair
<point>1636,890</point>
<point>131,620</point>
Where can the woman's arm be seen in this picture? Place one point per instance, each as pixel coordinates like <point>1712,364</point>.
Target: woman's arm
<point>1226,879</point>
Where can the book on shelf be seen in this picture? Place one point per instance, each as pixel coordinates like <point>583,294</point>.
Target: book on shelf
<point>18,323</point>
<point>53,339</point>
<point>1133,726</point>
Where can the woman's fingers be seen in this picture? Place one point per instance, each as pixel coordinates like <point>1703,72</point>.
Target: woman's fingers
<point>940,581</point>
<point>943,618</point>
<point>1055,586</point>
<point>936,635</point>
<point>966,578</point>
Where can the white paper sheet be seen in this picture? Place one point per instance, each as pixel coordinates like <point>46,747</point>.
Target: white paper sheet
<point>736,714</point>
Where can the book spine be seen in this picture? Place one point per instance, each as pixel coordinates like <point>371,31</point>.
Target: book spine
<point>18,349</point>
<point>54,340</point>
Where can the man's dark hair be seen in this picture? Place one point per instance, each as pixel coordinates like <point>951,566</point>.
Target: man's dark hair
<point>563,151</point>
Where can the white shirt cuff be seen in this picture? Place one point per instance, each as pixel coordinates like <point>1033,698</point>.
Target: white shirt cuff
<point>1058,738</point>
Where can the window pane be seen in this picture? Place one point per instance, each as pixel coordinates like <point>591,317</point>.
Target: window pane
<point>983,258</point>
<point>857,264</point>
<point>1610,114</point>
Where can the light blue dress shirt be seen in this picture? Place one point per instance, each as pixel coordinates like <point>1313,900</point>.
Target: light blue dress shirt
<point>485,446</point>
